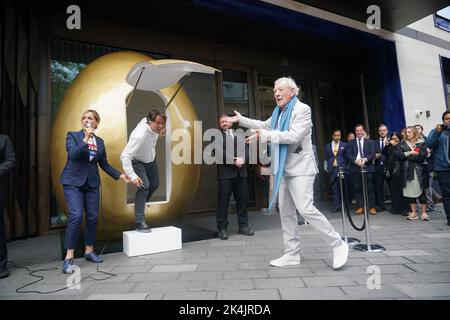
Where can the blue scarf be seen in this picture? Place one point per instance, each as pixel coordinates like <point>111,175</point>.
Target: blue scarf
<point>279,152</point>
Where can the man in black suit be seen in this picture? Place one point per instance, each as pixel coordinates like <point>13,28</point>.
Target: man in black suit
<point>335,158</point>
<point>232,176</point>
<point>7,162</point>
<point>380,160</point>
<point>361,152</point>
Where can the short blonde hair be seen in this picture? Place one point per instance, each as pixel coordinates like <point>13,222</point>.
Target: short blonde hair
<point>287,82</point>
<point>95,113</point>
<point>414,131</point>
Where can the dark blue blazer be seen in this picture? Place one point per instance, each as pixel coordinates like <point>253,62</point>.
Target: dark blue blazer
<point>340,157</point>
<point>381,159</point>
<point>78,168</point>
<point>352,152</point>
<point>7,160</point>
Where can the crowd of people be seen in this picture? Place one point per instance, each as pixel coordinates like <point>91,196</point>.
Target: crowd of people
<point>406,162</point>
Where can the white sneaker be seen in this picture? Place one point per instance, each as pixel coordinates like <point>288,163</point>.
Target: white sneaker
<point>286,260</point>
<point>340,255</point>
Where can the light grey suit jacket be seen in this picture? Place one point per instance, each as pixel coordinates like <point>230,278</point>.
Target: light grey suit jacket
<point>298,137</point>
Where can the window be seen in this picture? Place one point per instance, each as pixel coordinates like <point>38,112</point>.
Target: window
<point>442,19</point>
<point>68,58</point>
<point>235,92</point>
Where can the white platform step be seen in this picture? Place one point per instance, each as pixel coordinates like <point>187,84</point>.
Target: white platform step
<point>159,240</point>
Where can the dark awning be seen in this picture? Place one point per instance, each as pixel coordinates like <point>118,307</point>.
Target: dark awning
<point>395,14</point>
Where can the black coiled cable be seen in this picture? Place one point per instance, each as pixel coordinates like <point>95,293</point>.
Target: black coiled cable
<point>347,210</point>
<point>41,278</point>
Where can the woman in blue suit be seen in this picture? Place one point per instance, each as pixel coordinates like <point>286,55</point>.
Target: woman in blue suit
<point>81,182</point>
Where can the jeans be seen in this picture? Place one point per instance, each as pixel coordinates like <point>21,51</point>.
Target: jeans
<point>444,184</point>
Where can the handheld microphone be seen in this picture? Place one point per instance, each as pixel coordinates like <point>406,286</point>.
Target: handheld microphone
<point>89,125</point>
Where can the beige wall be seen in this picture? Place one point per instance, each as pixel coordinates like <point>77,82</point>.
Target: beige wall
<point>426,25</point>
<point>421,79</point>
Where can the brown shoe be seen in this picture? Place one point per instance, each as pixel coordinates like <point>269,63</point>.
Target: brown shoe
<point>359,211</point>
<point>373,211</point>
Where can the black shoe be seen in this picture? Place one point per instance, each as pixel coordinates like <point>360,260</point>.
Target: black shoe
<point>448,222</point>
<point>337,209</point>
<point>4,273</point>
<point>143,227</point>
<point>381,209</point>
<point>223,235</point>
<point>246,231</point>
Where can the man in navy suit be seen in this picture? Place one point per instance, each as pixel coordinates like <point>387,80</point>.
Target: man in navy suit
<point>361,152</point>
<point>335,158</point>
<point>380,162</point>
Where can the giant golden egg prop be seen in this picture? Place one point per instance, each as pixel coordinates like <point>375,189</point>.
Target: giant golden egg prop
<point>103,86</point>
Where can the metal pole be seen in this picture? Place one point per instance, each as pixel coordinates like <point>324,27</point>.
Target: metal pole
<point>366,204</point>
<point>350,241</point>
<point>368,247</point>
<point>135,87</point>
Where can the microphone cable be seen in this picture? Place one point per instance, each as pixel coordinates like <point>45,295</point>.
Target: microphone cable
<point>40,278</point>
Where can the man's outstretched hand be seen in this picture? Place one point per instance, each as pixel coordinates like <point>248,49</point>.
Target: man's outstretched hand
<point>234,119</point>
<point>254,137</point>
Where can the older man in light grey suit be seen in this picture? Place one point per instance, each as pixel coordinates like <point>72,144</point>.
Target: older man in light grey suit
<point>297,171</point>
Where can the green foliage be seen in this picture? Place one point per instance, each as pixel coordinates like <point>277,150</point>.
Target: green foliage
<point>62,75</point>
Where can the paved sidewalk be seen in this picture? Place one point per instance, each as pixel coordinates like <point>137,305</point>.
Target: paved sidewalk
<point>416,265</point>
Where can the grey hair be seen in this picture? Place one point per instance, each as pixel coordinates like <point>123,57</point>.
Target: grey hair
<point>287,82</point>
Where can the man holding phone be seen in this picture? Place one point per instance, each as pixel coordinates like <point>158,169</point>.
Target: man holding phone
<point>138,161</point>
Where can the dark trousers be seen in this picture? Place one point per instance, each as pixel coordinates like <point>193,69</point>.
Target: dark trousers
<point>350,193</point>
<point>444,184</point>
<point>238,187</point>
<point>3,249</point>
<point>379,187</point>
<point>358,189</point>
<point>148,172</point>
<point>398,202</point>
<point>81,199</point>
<point>336,188</point>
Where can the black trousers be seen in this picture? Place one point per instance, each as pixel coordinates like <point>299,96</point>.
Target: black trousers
<point>238,187</point>
<point>398,202</point>
<point>3,249</point>
<point>379,187</point>
<point>148,172</point>
<point>358,189</point>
